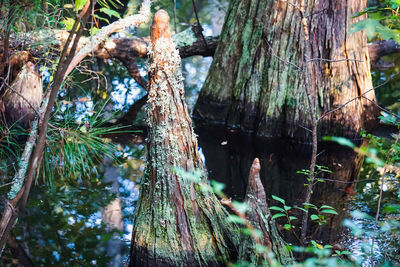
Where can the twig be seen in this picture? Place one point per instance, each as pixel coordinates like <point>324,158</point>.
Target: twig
<point>305,128</point>
<point>334,60</point>
<point>175,16</point>
<point>382,108</point>
<point>281,59</point>
<point>311,97</point>
<point>198,21</point>
<point>6,184</point>
<point>355,98</point>
<point>350,182</point>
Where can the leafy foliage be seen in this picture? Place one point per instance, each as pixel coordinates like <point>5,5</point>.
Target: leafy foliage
<point>383,21</point>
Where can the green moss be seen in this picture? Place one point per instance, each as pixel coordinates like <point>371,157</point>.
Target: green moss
<point>184,38</point>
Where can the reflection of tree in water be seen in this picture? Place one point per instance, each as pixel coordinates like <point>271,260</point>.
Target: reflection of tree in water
<point>229,156</point>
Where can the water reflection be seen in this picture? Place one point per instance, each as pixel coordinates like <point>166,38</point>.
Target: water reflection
<point>229,156</point>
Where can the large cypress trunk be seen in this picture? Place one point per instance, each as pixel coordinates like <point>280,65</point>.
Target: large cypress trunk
<point>176,223</point>
<point>256,83</point>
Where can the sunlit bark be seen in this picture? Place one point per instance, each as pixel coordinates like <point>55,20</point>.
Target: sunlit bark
<point>256,84</point>
<point>176,223</point>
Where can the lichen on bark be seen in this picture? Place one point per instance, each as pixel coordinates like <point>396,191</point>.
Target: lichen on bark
<point>176,223</point>
<point>256,84</point>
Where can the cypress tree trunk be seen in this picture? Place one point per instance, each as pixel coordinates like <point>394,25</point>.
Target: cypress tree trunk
<point>176,223</point>
<point>255,82</point>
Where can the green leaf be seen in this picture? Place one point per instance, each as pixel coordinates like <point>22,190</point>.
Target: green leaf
<point>276,208</point>
<point>329,211</point>
<point>387,33</point>
<point>288,226</point>
<point>292,218</point>
<point>314,217</point>
<point>101,18</point>
<point>327,207</point>
<point>340,140</point>
<point>355,229</point>
<point>236,219</point>
<point>249,232</point>
<point>376,16</point>
<point>300,209</point>
<point>367,10</point>
<point>240,206</point>
<point>217,187</point>
<point>361,215</point>
<point>395,3</point>
<point>369,25</point>
<point>278,215</point>
<point>309,205</point>
<point>110,12</point>
<point>372,27</point>
<point>391,208</point>
<point>69,23</point>
<point>94,30</point>
<point>377,162</point>
<point>79,4</point>
<point>278,199</point>
<point>287,207</point>
<point>189,176</point>
<point>83,129</point>
<point>388,119</point>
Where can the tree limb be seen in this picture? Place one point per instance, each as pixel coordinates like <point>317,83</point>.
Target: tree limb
<point>136,47</point>
<point>376,50</point>
<point>19,252</point>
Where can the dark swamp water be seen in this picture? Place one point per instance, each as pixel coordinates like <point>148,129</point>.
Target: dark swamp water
<point>228,158</point>
<point>350,187</point>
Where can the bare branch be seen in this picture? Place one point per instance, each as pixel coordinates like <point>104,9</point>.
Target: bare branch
<point>95,41</point>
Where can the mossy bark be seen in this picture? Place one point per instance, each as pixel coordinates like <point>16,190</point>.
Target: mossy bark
<point>259,217</point>
<point>176,223</point>
<point>256,83</point>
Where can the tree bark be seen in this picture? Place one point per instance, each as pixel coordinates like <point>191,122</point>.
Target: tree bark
<point>176,223</point>
<point>255,81</point>
<point>19,252</point>
<point>259,216</point>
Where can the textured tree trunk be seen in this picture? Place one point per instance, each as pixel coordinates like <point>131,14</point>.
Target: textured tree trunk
<point>255,82</point>
<point>176,223</point>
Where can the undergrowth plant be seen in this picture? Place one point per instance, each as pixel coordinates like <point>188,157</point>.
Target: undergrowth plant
<point>321,255</point>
